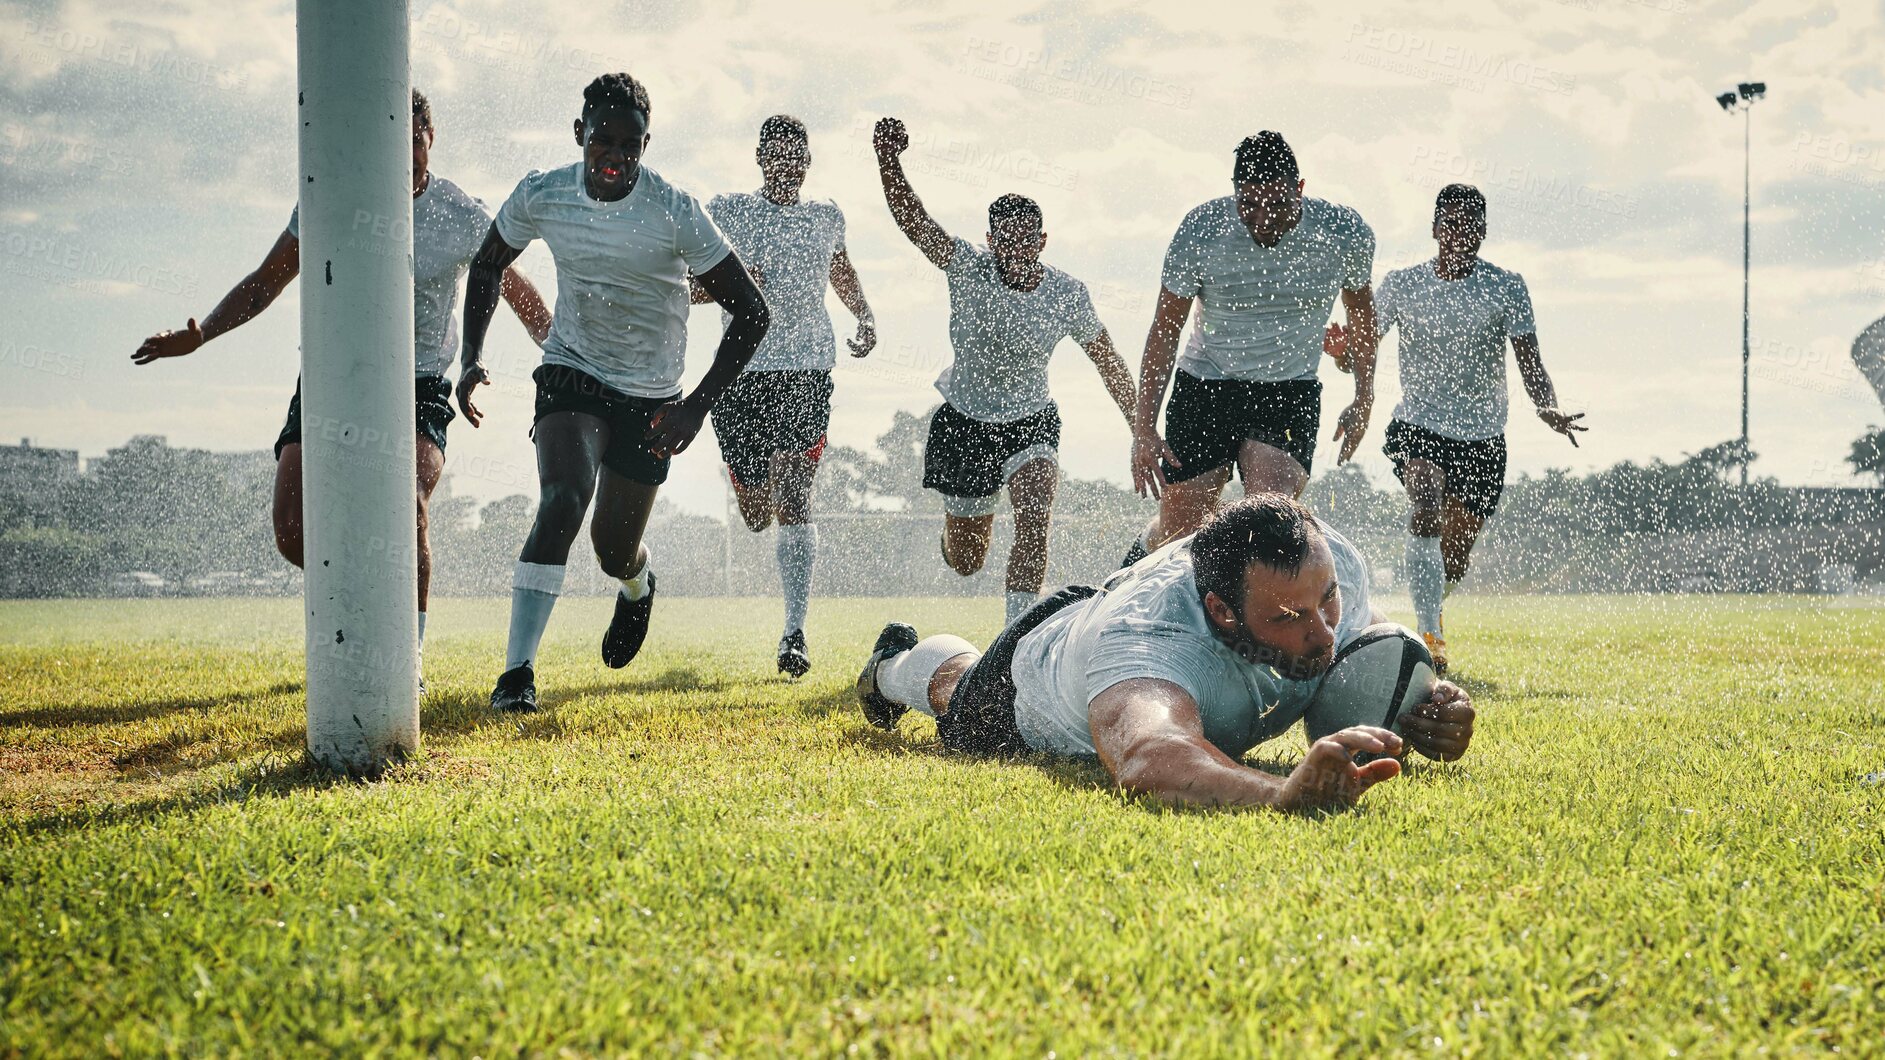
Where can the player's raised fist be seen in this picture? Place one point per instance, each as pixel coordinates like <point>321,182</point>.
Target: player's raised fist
<point>890,138</point>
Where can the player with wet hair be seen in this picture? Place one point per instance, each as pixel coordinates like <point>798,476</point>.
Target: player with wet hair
<point>998,425</point>
<point>771,423</point>
<point>609,411</point>
<point>1455,313</point>
<point>1175,668</point>
<point>1265,265</point>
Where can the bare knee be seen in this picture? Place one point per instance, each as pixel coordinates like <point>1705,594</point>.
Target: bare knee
<point>287,503</point>
<point>1424,521</point>
<point>1267,469</point>
<point>1456,567</point>
<point>965,545</point>
<point>755,505</point>
<point>617,558</point>
<point>967,559</point>
<point>942,686</point>
<point>793,511</point>
<point>288,539</point>
<point>560,507</point>
<point>1184,507</point>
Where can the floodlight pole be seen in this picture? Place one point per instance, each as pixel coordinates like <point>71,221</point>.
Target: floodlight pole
<point>358,509</point>
<point>1747,238</point>
<point>1742,99</point>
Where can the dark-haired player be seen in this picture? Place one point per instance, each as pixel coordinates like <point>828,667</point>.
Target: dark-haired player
<point>1447,439</point>
<point>448,225</point>
<point>1264,264</point>
<point>771,423</point>
<point>609,412</point>
<point>1175,668</point>
<point>998,424</point>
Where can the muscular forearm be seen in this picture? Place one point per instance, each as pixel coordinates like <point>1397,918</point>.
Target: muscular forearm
<point>521,295</point>
<point>1182,772</point>
<point>912,219</point>
<point>906,208</point>
<point>1155,374</point>
<point>1365,343</point>
<point>1363,366</point>
<point>243,303</point>
<point>1538,386</point>
<point>1118,380</point>
<point>737,346</point>
<point>481,295</point>
<point>852,295</point>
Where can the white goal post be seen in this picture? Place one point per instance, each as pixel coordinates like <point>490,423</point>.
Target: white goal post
<point>354,116</point>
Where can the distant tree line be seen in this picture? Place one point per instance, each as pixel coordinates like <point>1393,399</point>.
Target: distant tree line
<point>192,521</point>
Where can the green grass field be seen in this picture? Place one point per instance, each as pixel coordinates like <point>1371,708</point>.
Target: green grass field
<point>1667,839</point>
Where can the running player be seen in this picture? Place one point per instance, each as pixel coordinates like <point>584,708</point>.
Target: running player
<point>771,422</point>
<point>997,423</point>
<point>609,412</point>
<point>1447,438</point>
<point>1265,265</point>
<point>448,225</point>
<point>1175,669</point>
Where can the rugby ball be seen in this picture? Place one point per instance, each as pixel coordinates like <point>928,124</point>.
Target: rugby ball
<point>1373,678</point>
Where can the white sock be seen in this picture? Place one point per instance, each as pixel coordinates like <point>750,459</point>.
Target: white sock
<point>1426,581</point>
<point>905,679</point>
<point>534,589</point>
<point>635,586</point>
<point>1018,604</point>
<point>797,551</point>
<point>422,631</point>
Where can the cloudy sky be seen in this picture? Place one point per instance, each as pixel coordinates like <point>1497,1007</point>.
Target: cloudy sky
<point>147,156</point>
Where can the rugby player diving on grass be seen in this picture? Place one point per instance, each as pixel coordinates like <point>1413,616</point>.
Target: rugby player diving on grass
<point>1175,668</point>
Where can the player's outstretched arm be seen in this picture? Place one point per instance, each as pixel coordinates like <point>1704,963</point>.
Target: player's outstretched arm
<point>851,292</point>
<point>1115,374</point>
<point>244,302</point>
<point>1151,739</point>
<point>521,295</point>
<point>674,425</point>
<point>1155,374</point>
<point>482,290</point>
<point>1359,343</point>
<point>891,139</point>
<point>1531,368</point>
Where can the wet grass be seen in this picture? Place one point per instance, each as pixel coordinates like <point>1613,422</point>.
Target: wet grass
<point>1667,838</point>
